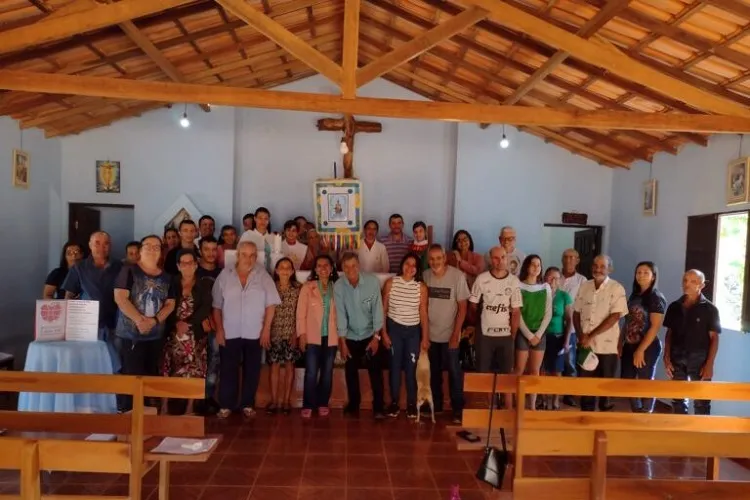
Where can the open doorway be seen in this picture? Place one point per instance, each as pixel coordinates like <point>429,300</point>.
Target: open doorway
<point>117,220</point>
<point>587,240</point>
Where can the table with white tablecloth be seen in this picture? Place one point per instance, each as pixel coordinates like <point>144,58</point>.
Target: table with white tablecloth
<point>68,357</point>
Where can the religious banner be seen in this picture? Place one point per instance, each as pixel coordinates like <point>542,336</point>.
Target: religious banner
<point>338,212</point>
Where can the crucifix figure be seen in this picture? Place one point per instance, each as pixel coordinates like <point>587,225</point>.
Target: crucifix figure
<point>349,126</point>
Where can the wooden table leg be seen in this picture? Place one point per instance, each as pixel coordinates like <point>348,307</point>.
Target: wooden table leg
<point>712,469</point>
<point>164,467</point>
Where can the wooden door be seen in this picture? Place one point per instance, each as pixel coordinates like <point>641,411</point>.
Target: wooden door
<point>83,221</point>
<point>587,244</point>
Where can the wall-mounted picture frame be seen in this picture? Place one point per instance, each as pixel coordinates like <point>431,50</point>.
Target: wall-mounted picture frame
<point>736,182</point>
<point>107,176</point>
<point>338,206</point>
<point>649,197</point>
<point>21,169</point>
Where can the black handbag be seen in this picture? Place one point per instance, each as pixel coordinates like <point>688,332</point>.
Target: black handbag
<point>494,463</point>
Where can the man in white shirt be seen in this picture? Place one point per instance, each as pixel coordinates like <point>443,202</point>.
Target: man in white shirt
<point>261,237</point>
<point>291,247</point>
<point>597,310</point>
<point>500,293</point>
<point>373,256</point>
<point>514,256</point>
<point>570,281</point>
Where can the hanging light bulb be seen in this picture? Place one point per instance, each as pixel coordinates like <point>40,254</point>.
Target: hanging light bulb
<point>184,120</point>
<point>504,142</point>
<point>343,148</point>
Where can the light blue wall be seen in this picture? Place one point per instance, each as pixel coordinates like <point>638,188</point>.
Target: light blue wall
<point>30,221</point>
<point>408,168</point>
<point>524,186</point>
<point>159,161</point>
<point>119,222</point>
<point>690,183</point>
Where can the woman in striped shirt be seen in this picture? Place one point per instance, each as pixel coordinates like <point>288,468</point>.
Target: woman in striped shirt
<point>406,330</point>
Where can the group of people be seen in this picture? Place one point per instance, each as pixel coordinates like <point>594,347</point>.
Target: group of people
<point>172,308</point>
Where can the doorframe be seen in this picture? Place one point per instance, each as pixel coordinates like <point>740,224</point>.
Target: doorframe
<point>75,204</point>
<point>599,231</point>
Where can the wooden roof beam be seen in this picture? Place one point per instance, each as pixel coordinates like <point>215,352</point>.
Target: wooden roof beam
<point>607,11</point>
<point>452,59</point>
<point>120,88</point>
<point>350,48</point>
<point>49,30</point>
<point>100,121</point>
<point>529,44</point>
<point>572,145</point>
<point>421,44</point>
<point>284,38</point>
<point>607,57</point>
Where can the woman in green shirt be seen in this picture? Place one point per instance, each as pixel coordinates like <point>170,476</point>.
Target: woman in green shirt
<point>558,332</point>
<point>536,314</point>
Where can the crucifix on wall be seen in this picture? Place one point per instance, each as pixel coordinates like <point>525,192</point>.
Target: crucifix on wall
<point>349,126</point>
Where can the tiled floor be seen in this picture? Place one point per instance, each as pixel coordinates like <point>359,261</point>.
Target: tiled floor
<point>278,458</point>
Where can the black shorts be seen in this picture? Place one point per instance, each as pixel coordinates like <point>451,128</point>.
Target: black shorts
<point>495,353</point>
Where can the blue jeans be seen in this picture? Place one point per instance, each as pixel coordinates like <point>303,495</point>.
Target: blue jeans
<point>405,342</point>
<point>687,366</point>
<point>318,374</point>
<point>441,358</point>
<point>236,352</point>
<point>629,371</point>
<point>570,361</point>
<point>212,372</point>
<point>107,335</point>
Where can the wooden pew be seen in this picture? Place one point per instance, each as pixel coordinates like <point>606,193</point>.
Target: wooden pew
<point>600,435</point>
<point>55,441</point>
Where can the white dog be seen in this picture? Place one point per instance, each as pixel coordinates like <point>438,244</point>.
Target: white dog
<point>424,390</point>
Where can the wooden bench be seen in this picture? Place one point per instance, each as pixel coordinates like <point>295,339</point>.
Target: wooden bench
<point>601,435</point>
<point>39,441</point>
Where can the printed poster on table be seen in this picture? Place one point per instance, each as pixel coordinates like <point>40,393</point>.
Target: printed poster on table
<point>74,320</point>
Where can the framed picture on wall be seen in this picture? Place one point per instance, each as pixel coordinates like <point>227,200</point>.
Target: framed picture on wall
<point>107,176</point>
<point>182,209</point>
<point>736,183</point>
<point>21,164</point>
<point>649,197</point>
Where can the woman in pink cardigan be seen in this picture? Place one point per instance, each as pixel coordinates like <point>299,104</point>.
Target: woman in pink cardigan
<point>465,258</point>
<point>318,339</point>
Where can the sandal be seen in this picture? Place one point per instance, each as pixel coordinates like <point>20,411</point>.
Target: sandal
<point>272,409</point>
<point>324,411</point>
<point>248,412</point>
<point>224,413</point>
<point>307,413</point>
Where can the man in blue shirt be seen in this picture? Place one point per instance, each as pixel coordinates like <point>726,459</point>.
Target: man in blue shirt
<point>94,279</point>
<point>359,311</point>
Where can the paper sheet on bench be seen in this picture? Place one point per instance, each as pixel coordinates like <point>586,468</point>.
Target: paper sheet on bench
<point>183,446</point>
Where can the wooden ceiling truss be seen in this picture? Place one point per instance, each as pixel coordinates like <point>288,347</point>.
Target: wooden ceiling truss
<point>615,81</point>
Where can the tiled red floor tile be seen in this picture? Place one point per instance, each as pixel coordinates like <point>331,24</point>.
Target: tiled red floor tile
<point>399,462</point>
<point>80,489</point>
<point>321,493</point>
<point>190,477</point>
<point>324,462</point>
<point>179,492</point>
<point>249,445</point>
<point>364,447</point>
<point>366,462</point>
<point>273,493</point>
<point>412,478</point>
<point>447,464</point>
<point>415,494</point>
<point>279,477</point>
<point>324,446</point>
<point>234,476</point>
<point>367,479</point>
<point>327,479</point>
<point>286,461</point>
<point>225,493</point>
<point>464,480</point>
<point>369,494</point>
<point>246,460</point>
